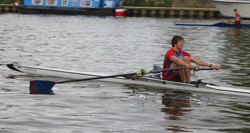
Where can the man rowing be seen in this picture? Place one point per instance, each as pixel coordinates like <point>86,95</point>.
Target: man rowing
<point>176,57</point>
<point>237,18</point>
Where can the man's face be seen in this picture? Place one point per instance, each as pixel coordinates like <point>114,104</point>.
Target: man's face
<point>180,44</point>
<point>235,12</point>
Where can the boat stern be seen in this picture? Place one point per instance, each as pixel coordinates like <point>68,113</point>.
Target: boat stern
<point>120,11</point>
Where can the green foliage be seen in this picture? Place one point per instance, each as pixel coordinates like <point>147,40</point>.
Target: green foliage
<point>135,2</point>
<point>9,1</point>
<point>148,3</point>
<point>6,1</point>
<point>195,6</point>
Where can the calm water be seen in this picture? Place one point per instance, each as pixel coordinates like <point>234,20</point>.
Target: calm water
<point>119,45</point>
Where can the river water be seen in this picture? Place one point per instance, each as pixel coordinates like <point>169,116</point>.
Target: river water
<point>116,45</point>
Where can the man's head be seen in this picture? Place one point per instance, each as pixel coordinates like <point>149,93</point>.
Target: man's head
<point>235,11</point>
<point>176,39</point>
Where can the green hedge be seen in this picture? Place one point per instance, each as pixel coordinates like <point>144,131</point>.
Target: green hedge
<point>148,3</point>
<point>8,1</point>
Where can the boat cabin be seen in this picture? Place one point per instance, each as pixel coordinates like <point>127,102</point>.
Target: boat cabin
<point>76,3</point>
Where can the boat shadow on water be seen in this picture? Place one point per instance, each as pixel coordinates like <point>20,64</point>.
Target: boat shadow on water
<point>183,105</point>
<point>176,105</point>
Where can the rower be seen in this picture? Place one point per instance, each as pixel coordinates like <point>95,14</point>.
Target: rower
<point>176,57</point>
<point>236,19</point>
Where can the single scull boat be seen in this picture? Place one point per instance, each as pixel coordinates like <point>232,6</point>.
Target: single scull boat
<point>148,80</point>
<point>218,25</point>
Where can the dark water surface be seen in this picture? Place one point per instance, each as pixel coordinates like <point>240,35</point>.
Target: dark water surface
<point>119,45</point>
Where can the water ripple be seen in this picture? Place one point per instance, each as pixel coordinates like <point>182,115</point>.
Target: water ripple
<point>118,45</point>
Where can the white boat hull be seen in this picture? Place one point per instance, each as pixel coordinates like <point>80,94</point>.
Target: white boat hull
<point>226,7</point>
<point>138,80</point>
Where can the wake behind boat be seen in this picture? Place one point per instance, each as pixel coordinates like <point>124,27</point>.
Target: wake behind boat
<point>218,25</point>
<point>149,80</point>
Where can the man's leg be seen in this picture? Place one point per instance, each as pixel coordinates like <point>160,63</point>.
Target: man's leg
<point>232,21</point>
<point>181,72</point>
<point>187,71</point>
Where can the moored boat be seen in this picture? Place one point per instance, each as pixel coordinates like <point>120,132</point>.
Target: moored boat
<point>72,7</point>
<point>226,7</point>
<point>149,80</point>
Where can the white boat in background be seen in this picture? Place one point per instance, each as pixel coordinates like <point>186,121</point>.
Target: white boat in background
<point>226,7</point>
<point>149,80</point>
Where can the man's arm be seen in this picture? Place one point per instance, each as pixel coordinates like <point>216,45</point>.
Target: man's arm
<point>202,63</point>
<point>180,62</point>
<point>238,18</point>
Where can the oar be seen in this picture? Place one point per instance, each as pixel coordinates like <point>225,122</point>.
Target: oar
<point>47,85</point>
<point>38,85</point>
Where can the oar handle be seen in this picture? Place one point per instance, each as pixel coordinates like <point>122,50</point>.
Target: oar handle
<point>205,69</point>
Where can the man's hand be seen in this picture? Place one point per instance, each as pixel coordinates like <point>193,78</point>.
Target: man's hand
<point>189,66</point>
<point>192,67</point>
<point>215,67</point>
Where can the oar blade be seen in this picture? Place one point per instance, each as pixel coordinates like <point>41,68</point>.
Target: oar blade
<point>41,87</point>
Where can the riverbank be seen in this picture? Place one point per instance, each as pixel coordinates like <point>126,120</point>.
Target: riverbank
<point>174,12</point>
<point>7,8</point>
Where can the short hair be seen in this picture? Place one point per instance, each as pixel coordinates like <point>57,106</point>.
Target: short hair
<point>176,39</point>
<point>235,9</point>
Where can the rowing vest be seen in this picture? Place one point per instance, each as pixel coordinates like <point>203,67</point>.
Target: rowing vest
<point>237,15</point>
<point>167,62</point>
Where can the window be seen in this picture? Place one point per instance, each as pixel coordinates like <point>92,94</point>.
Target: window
<point>64,2</point>
<point>86,3</point>
<point>37,2</point>
<point>51,2</point>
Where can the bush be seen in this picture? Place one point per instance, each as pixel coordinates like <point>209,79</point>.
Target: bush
<point>194,6</point>
<point>8,1</point>
<point>149,3</point>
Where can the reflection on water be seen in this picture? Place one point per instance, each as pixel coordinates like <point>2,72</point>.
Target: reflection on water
<point>199,112</point>
<point>238,112</point>
<point>236,55</point>
<point>175,105</point>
